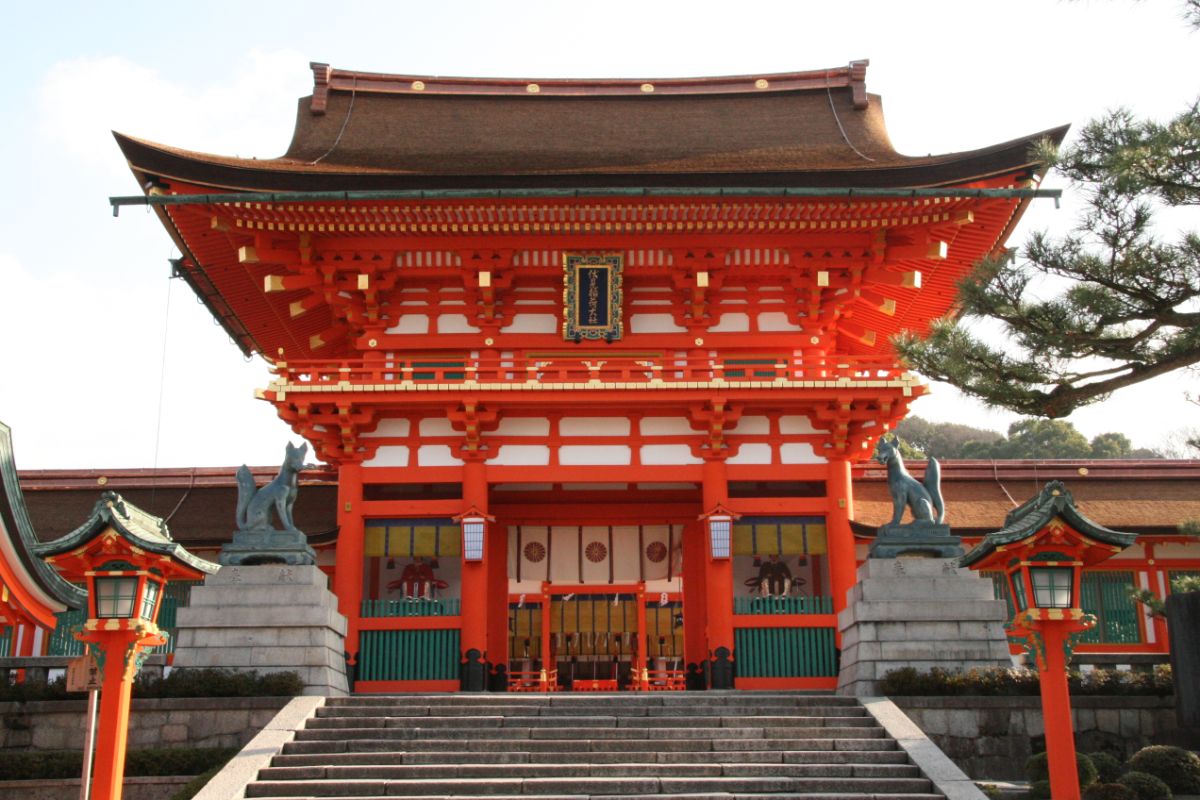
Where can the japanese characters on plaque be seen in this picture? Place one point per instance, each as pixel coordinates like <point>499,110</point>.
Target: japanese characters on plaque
<point>592,296</point>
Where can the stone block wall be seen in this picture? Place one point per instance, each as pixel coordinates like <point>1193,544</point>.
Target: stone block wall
<point>170,722</point>
<point>991,737</point>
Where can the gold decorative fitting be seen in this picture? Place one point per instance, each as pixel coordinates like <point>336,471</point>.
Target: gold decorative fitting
<point>814,340</point>
<point>761,83</point>
<point>102,481</point>
<point>533,88</point>
<point>647,87</point>
<point>1083,470</point>
<point>418,86</point>
<point>489,341</point>
<point>372,342</point>
<point>699,341</point>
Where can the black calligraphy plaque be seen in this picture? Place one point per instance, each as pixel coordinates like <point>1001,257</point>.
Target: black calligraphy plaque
<point>592,296</point>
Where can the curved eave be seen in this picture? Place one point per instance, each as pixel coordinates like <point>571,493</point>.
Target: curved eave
<point>1054,501</point>
<point>46,591</point>
<point>131,525</point>
<point>159,163</point>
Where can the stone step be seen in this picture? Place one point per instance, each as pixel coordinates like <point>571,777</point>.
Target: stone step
<point>684,796</point>
<point>578,733</point>
<point>613,786</point>
<point>590,709</point>
<point>595,757</point>
<point>627,699</point>
<point>605,721</point>
<point>342,745</point>
<point>584,770</point>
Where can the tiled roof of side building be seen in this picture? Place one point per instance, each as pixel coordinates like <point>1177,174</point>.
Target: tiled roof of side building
<point>372,131</point>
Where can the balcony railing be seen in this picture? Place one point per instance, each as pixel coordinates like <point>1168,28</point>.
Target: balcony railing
<point>374,372</point>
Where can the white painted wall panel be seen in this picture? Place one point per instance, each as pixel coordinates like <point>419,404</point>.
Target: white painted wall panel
<point>799,453</point>
<point>732,323</point>
<point>522,455</point>
<point>795,424</point>
<point>437,455</point>
<point>593,426</point>
<point>389,456</point>
<point>752,425</point>
<point>668,454</point>
<point>752,453</point>
<point>455,323</point>
<point>666,426</point>
<point>411,323</point>
<point>523,426</point>
<point>436,426</point>
<point>533,323</point>
<point>775,321</point>
<point>597,455</point>
<point>654,323</point>
<point>389,427</point>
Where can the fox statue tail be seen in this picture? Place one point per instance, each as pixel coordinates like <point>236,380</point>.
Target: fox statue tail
<point>933,485</point>
<point>246,490</point>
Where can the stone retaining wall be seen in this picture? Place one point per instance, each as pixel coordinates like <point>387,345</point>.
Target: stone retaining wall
<point>991,737</point>
<point>169,722</point>
<point>157,788</point>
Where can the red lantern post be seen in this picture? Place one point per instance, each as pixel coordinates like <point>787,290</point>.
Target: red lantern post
<point>1042,550</point>
<point>126,557</point>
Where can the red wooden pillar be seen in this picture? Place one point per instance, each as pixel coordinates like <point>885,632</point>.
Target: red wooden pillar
<point>497,595</point>
<point>718,573</point>
<point>695,599</point>
<point>843,562</point>
<point>1056,715</point>
<point>120,665</point>
<point>348,571</point>
<point>475,573</point>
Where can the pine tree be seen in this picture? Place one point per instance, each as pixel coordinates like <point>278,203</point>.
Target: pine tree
<point>1129,308</point>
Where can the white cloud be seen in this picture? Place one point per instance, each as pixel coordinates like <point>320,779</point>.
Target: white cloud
<point>81,100</point>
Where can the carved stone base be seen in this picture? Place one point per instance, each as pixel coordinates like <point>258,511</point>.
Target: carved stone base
<point>922,539</point>
<point>268,618</point>
<point>250,548</point>
<point>920,613</point>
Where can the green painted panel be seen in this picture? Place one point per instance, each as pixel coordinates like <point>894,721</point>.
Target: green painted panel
<point>1105,593</point>
<point>5,641</point>
<point>448,607</point>
<point>820,604</point>
<point>785,652</point>
<point>424,655</point>
<point>62,643</point>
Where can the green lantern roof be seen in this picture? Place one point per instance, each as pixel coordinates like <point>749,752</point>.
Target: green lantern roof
<point>1036,513</point>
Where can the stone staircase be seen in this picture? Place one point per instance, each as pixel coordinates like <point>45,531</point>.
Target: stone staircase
<point>696,745</point>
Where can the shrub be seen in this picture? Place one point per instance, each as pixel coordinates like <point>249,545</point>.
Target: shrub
<point>1039,790</point>
<point>998,681</point>
<point>1146,786</point>
<point>1037,768</point>
<point>1108,791</point>
<point>47,764</point>
<point>193,787</point>
<point>1176,767</point>
<point>1108,767</point>
<point>219,683</point>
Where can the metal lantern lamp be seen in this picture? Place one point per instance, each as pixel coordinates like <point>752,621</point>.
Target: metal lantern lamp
<point>474,533</point>
<point>719,523</point>
<point>125,557</point>
<point>1042,550</point>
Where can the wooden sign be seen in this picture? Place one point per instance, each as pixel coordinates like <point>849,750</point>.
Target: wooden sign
<point>83,674</point>
<point>592,296</point>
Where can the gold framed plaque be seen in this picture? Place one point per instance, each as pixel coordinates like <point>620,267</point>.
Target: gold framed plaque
<point>592,296</point>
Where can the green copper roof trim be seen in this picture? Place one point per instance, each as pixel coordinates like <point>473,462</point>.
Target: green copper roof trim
<point>1027,519</point>
<point>498,194</point>
<point>16,517</point>
<point>141,528</point>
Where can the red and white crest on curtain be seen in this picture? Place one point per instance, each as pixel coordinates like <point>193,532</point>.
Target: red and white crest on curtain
<point>595,554</point>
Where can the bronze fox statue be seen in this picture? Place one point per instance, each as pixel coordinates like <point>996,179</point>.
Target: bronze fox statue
<point>923,498</point>
<point>254,505</point>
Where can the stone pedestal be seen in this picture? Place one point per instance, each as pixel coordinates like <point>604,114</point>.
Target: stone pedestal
<point>921,613</point>
<point>252,548</point>
<point>269,618</point>
<point>921,538</point>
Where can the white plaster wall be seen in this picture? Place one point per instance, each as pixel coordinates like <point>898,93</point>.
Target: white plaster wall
<point>668,454</point>
<point>523,426</point>
<point>752,425</point>
<point>753,453</point>
<point>593,455</point>
<point>533,323</point>
<point>389,427</point>
<point>455,323</point>
<point>436,455</point>
<point>796,424</point>
<point>775,321</point>
<point>389,456</point>
<point>654,323</point>
<point>732,323</point>
<point>522,455</point>
<point>666,426</point>
<point>593,426</point>
<point>436,426</point>
<point>799,453</point>
<point>411,323</point>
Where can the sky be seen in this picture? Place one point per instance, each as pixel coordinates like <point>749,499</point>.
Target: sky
<point>109,363</point>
